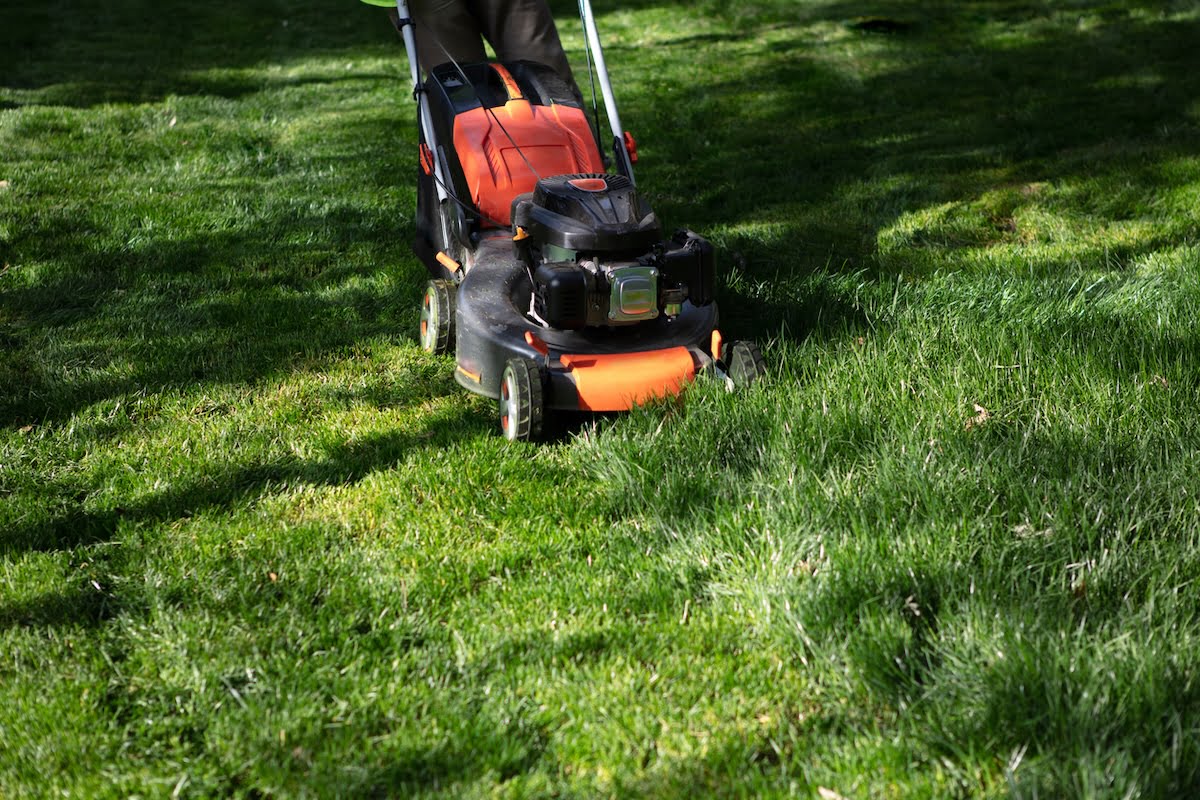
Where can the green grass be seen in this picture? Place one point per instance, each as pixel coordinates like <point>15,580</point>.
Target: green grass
<point>254,542</point>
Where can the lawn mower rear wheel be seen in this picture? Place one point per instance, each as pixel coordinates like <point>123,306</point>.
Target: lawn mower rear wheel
<point>437,317</point>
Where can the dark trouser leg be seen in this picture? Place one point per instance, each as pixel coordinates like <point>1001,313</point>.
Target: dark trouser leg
<point>518,30</point>
<point>446,30</point>
<point>523,30</point>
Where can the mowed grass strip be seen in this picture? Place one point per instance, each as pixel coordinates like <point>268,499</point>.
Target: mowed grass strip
<point>254,542</point>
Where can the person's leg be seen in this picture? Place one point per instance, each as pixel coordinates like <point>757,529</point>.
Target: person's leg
<point>446,27</point>
<point>523,30</point>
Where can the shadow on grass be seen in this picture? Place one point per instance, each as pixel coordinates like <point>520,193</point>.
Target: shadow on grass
<point>346,464</point>
<point>135,51</point>
<point>227,307</point>
<point>825,161</point>
<point>84,606</point>
<point>489,749</point>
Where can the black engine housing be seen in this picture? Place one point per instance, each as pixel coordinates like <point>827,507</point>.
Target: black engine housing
<point>597,257</point>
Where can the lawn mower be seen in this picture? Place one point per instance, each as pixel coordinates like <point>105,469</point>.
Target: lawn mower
<point>551,279</point>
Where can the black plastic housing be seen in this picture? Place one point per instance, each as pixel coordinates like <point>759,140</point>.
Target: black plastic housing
<point>562,291</point>
<point>613,219</point>
<point>691,263</point>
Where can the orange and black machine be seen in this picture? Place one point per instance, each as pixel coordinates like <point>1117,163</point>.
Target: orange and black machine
<point>551,280</point>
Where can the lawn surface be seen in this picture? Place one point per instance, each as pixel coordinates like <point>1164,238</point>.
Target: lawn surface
<point>255,543</point>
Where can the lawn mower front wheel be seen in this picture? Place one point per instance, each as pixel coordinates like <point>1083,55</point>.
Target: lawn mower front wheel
<point>521,400</point>
<point>437,317</point>
<point>743,362</point>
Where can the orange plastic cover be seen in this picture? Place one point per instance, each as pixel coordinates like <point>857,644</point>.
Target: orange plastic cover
<point>590,184</point>
<point>619,381</point>
<point>555,140</point>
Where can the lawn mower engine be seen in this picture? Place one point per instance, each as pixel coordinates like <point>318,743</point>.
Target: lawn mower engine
<point>596,256</point>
